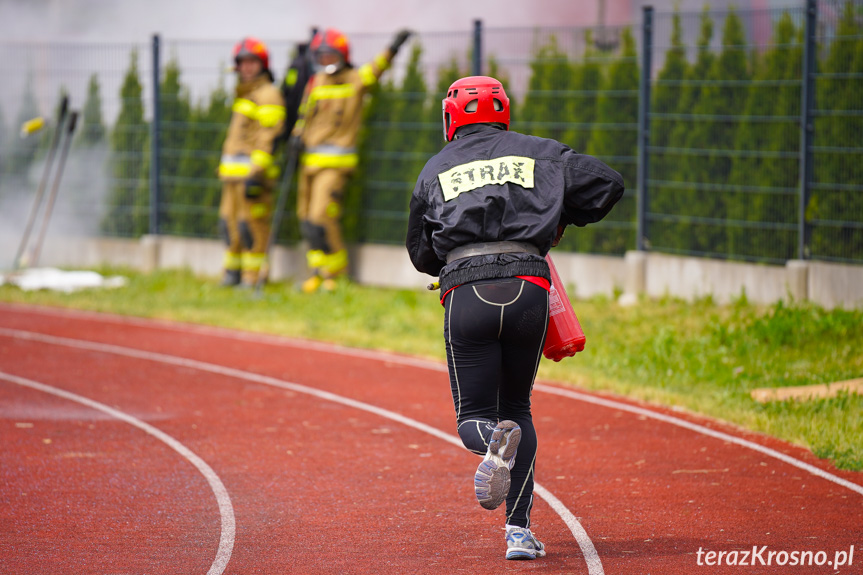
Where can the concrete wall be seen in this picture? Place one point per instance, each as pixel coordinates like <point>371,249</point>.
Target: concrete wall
<point>827,284</point>
<point>697,278</point>
<point>652,274</point>
<point>836,285</point>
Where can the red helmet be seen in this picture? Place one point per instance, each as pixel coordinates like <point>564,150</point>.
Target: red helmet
<point>332,41</point>
<point>252,47</point>
<point>474,100</point>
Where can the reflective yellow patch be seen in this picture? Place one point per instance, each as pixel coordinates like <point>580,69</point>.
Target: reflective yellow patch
<point>331,160</point>
<point>332,92</point>
<point>367,75</point>
<point>245,107</point>
<point>291,77</point>
<point>382,62</point>
<point>258,211</point>
<point>235,169</point>
<point>329,92</point>
<point>269,116</point>
<point>315,258</point>
<point>231,261</point>
<point>505,170</point>
<point>336,262</point>
<point>262,159</point>
<point>253,261</point>
<point>272,172</point>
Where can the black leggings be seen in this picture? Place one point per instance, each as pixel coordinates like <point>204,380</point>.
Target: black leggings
<point>494,332</point>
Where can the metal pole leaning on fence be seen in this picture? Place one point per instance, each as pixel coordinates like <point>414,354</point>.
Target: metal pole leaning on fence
<point>807,128</point>
<point>52,197</point>
<point>292,158</point>
<point>37,201</point>
<point>644,128</point>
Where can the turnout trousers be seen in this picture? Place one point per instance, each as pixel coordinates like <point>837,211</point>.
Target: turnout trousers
<point>320,193</point>
<point>494,332</point>
<point>245,227</point>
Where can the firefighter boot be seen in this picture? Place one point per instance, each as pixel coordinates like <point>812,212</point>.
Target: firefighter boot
<point>232,278</point>
<point>312,284</point>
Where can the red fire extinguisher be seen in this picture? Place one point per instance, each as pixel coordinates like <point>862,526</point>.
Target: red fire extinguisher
<point>565,337</point>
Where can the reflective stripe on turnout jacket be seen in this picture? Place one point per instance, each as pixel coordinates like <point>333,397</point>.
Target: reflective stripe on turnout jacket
<point>258,115</point>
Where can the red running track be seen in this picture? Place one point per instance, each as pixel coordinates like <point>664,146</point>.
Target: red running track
<point>133,446</point>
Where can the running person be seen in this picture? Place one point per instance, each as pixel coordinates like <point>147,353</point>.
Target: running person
<point>484,213</point>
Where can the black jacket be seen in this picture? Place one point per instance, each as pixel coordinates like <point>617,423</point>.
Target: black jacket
<point>492,185</point>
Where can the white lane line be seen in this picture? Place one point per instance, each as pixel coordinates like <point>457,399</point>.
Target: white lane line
<point>232,334</point>
<point>591,557</point>
<point>226,510</point>
<point>611,404</point>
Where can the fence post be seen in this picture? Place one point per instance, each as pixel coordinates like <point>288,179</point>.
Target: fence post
<point>644,127</point>
<point>154,141</point>
<point>807,128</point>
<point>477,47</point>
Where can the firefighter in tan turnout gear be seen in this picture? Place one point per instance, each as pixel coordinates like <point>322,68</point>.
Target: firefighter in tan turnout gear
<point>330,117</point>
<point>247,169</point>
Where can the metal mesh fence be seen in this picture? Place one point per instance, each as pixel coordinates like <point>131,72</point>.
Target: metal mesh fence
<point>753,152</point>
<point>730,133</point>
<point>725,138</point>
<point>834,206</point>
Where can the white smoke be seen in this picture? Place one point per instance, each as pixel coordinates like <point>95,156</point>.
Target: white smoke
<point>78,205</point>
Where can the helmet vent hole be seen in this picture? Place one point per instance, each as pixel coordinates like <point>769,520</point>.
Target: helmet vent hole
<point>498,105</point>
<point>471,106</point>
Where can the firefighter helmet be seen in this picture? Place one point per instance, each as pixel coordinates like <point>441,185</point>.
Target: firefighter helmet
<point>252,47</point>
<point>474,100</point>
<point>331,41</point>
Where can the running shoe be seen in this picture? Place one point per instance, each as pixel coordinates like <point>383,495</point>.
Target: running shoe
<point>232,278</point>
<point>521,544</point>
<point>492,479</point>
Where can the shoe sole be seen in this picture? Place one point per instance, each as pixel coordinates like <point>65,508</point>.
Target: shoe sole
<point>491,483</point>
<point>511,432</point>
<point>492,479</point>
<point>523,554</point>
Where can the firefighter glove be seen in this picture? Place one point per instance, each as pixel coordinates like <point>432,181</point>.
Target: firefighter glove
<point>400,39</point>
<point>253,189</point>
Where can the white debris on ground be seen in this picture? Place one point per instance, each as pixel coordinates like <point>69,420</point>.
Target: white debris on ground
<point>60,280</point>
